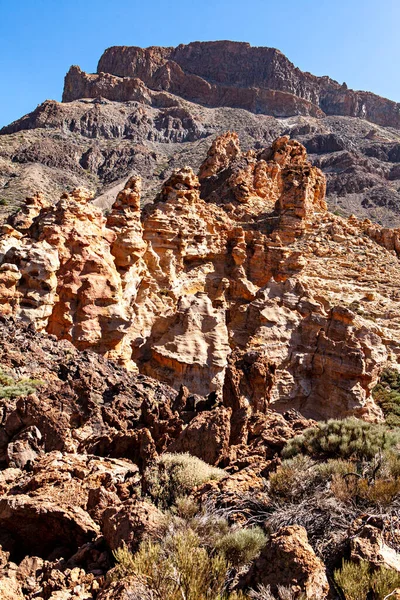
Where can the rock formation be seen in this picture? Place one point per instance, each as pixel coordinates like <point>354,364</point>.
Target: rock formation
<point>156,357</point>
<point>289,548</point>
<point>223,286</point>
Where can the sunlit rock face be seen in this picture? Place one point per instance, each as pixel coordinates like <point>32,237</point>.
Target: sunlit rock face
<point>236,281</point>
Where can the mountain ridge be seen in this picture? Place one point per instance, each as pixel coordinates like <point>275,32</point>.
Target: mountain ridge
<point>203,71</point>
<point>160,118</point>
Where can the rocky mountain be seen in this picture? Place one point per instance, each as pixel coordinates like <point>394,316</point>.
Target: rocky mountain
<point>199,365</point>
<point>148,111</point>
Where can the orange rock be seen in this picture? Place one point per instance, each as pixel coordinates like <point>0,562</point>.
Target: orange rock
<point>299,568</point>
<point>242,281</point>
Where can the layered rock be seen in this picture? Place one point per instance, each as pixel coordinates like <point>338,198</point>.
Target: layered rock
<point>226,73</point>
<point>223,286</point>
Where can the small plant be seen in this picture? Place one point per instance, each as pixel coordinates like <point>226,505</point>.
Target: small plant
<point>174,476</point>
<point>347,438</point>
<point>354,580</point>
<point>242,546</point>
<point>3,202</point>
<point>292,478</point>
<point>12,388</point>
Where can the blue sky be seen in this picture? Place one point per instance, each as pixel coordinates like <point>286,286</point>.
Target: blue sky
<point>355,41</point>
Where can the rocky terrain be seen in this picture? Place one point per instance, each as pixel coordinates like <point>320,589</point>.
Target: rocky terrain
<point>217,324</point>
<point>148,111</point>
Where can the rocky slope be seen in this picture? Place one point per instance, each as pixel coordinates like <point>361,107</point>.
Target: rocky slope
<point>148,111</point>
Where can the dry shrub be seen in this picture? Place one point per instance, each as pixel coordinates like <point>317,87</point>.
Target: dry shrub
<point>209,527</point>
<point>293,478</point>
<point>174,476</point>
<point>379,492</point>
<point>283,593</point>
<point>179,569</point>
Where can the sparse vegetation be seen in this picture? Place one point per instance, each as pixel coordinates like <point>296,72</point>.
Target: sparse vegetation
<point>12,388</point>
<point>387,395</point>
<point>242,546</point>
<point>175,475</point>
<point>179,568</point>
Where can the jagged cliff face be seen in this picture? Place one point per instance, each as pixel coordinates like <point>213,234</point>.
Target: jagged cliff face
<point>236,281</point>
<point>224,73</point>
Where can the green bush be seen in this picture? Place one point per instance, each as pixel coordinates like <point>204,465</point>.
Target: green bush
<point>387,395</point>
<point>347,438</point>
<point>242,546</point>
<point>174,476</point>
<point>12,388</point>
<point>354,580</point>
<point>357,580</point>
<point>180,569</point>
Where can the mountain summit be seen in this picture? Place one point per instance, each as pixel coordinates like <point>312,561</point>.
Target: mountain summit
<point>235,74</point>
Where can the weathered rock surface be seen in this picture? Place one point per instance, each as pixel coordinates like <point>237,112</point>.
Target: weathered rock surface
<point>224,286</point>
<point>299,568</point>
<point>130,524</point>
<point>369,545</point>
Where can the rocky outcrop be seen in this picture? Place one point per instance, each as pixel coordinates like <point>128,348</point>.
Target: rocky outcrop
<point>207,437</point>
<point>224,150</point>
<point>221,286</point>
<point>299,567</point>
<point>369,545</point>
<point>226,73</point>
<point>131,523</point>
